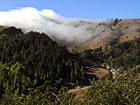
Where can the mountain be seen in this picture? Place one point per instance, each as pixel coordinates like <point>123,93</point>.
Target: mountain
<point>79,33</point>
<point>9,30</point>
<point>34,69</point>
<point>36,62</point>
<point>124,30</point>
<point>66,31</point>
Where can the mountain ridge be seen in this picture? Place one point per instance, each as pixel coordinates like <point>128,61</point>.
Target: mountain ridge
<point>124,30</point>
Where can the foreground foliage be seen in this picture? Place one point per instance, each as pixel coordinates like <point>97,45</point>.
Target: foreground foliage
<point>16,88</point>
<point>123,90</point>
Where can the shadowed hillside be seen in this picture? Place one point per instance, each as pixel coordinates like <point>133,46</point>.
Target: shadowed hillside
<point>33,61</point>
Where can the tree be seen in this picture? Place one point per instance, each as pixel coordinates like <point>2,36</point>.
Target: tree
<point>115,22</point>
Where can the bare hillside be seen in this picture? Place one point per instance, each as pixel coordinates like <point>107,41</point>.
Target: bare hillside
<point>125,30</point>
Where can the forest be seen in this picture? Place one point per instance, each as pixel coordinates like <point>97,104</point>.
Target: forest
<point>34,70</point>
<point>33,62</point>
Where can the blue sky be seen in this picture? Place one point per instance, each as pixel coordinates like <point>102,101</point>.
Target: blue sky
<point>91,9</point>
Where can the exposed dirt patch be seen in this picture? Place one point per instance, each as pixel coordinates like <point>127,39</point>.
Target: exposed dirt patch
<point>79,91</point>
<point>93,71</point>
<point>97,71</point>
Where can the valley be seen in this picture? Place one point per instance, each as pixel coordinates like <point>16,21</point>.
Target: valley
<point>93,72</point>
<point>35,69</point>
<point>74,52</point>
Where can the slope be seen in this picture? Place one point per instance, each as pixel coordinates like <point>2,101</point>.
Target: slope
<point>35,61</point>
<point>125,30</point>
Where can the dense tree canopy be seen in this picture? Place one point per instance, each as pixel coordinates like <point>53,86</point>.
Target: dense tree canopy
<point>34,61</point>
<point>125,54</point>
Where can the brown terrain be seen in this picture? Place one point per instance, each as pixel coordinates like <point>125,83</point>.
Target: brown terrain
<point>93,72</point>
<point>125,30</point>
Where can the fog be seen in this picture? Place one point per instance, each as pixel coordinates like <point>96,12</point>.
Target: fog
<point>63,30</point>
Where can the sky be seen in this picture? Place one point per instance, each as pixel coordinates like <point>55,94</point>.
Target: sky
<point>87,9</point>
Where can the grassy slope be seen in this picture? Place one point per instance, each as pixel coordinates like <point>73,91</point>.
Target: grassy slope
<point>125,30</point>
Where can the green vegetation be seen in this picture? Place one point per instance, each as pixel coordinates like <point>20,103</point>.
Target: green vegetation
<point>33,62</point>
<point>16,89</point>
<point>79,49</point>
<point>116,21</point>
<point>42,57</point>
<point>125,54</point>
<point>124,90</point>
<point>34,70</point>
<point>93,55</point>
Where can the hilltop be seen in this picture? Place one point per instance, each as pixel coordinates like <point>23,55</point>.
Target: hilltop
<point>124,30</point>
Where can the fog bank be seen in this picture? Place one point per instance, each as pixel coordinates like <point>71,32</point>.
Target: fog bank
<point>63,30</point>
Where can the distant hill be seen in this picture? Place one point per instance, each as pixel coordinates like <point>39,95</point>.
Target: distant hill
<point>125,30</point>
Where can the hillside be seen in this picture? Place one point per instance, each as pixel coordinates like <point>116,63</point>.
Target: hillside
<point>83,34</point>
<point>34,69</point>
<point>33,61</point>
<point>124,88</point>
<point>125,30</point>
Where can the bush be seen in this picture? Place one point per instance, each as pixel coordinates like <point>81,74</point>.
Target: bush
<point>121,69</point>
<point>116,21</point>
<point>123,90</point>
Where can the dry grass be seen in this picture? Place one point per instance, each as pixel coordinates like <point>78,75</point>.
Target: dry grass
<point>126,30</point>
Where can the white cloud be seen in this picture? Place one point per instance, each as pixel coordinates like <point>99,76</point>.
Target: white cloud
<point>57,27</point>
